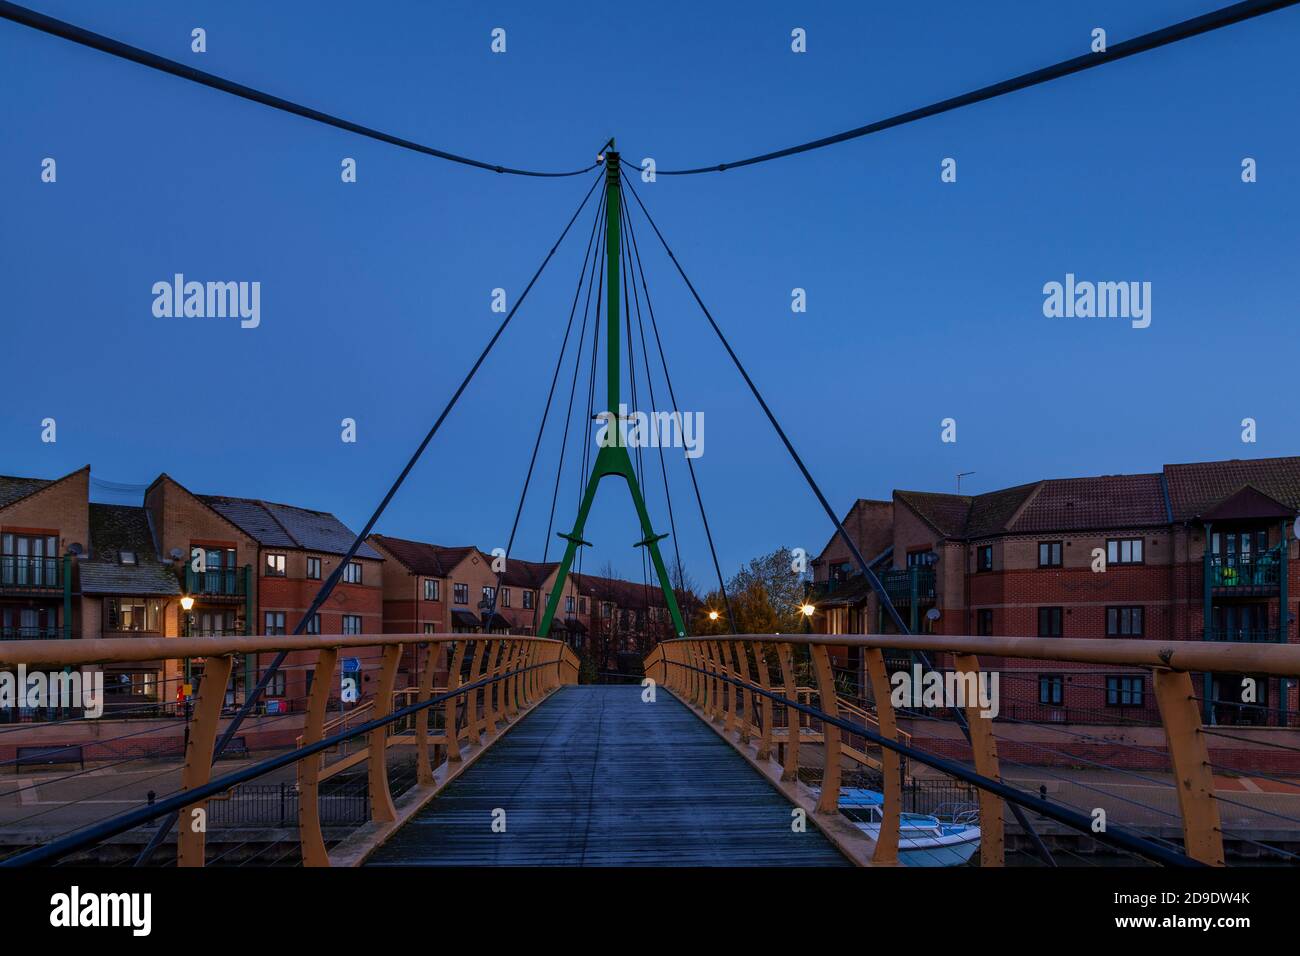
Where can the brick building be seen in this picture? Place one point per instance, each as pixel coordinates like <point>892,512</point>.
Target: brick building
<point>1200,551</point>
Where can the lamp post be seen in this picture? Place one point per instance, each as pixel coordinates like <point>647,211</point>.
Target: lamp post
<point>187,605</point>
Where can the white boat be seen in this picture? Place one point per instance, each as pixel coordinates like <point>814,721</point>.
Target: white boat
<point>923,839</point>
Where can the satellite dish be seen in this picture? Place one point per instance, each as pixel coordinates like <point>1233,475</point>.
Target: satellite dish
<point>176,554</point>
<point>75,549</point>
<point>932,614</point>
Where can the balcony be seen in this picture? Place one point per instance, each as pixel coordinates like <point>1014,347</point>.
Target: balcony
<point>20,573</point>
<point>1268,635</point>
<point>215,582</point>
<point>1244,574</point>
<point>901,583</point>
<point>31,634</point>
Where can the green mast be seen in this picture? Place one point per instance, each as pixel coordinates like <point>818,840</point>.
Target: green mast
<point>612,458</point>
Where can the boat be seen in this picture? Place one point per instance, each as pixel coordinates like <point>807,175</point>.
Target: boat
<point>923,838</point>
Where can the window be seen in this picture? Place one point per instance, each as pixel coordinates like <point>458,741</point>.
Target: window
<point>1124,622</point>
<point>313,625</point>
<point>568,604</point>
<point>1124,551</point>
<point>1049,554</point>
<point>1049,622</point>
<point>1051,689</point>
<point>276,687</point>
<point>606,609</point>
<point>489,595</point>
<point>529,599</point>
<point>984,558</point>
<point>984,622</point>
<point>352,573</point>
<point>126,557</point>
<point>1123,691</point>
<point>505,597</point>
<point>274,566</point>
<point>582,605</point>
<point>27,560</point>
<point>430,629</point>
<point>313,569</point>
<point>134,614</point>
<point>460,593</point>
<point>274,621</point>
<point>921,559</point>
<point>431,592</point>
<point>351,623</point>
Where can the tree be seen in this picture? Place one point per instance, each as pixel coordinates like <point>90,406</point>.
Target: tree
<point>771,580</point>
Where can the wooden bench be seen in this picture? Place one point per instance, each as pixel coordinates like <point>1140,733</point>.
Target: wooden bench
<point>49,756</point>
<point>238,747</point>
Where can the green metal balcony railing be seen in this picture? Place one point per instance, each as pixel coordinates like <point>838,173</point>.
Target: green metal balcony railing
<point>1245,571</point>
<point>1267,635</point>
<point>216,582</point>
<point>31,634</point>
<point>901,583</point>
<point>23,572</point>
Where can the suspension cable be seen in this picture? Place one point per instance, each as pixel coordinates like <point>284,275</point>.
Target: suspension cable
<point>546,410</point>
<point>251,698</point>
<point>1206,23</point>
<point>672,396</point>
<point>96,41</point>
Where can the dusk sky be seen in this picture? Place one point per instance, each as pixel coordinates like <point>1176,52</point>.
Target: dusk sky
<point>924,298</point>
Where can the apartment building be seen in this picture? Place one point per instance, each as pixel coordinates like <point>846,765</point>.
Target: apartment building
<point>294,551</point>
<point>44,525</point>
<point>1199,551</point>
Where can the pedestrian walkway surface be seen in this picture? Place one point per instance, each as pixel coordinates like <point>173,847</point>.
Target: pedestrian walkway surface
<point>593,776</point>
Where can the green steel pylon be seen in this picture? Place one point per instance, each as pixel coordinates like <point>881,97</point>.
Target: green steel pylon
<point>612,459</point>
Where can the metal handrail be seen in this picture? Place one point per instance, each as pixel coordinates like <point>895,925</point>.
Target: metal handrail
<point>557,666</point>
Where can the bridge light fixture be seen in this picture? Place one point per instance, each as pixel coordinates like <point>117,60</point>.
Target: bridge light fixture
<point>807,610</point>
<point>713,615</point>
<point>187,603</point>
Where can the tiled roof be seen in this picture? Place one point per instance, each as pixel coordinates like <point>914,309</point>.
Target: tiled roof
<point>947,514</point>
<point>421,558</point>
<point>527,574</point>
<point>15,489</point>
<point>1076,504</point>
<point>628,594</point>
<point>285,526</point>
<point>1196,488</point>
<point>118,528</point>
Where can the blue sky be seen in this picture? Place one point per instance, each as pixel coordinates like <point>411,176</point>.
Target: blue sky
<point>924,298</point>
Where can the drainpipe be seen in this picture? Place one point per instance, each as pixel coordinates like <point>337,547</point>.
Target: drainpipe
<point>1285,622</point>
<point>250,660</point>
<point>1207,679</point>
<point>68,596</point>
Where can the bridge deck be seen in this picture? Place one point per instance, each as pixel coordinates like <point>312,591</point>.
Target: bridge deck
<point>595,777</point>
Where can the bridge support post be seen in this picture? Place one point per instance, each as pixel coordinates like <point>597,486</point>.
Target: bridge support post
<point>310,838</point>
<point>191,836</point>
<point>886,851</point>
<point>829,802</point>
<point>790,765</point>
<point>1193,779</point>
<point>764,703</point>
<point>423,764</point>
<point>984,749</point>
<point>455,704</point>
<point>381,798</point>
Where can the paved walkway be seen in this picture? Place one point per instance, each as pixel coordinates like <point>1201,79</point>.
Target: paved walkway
<point>595,777</point>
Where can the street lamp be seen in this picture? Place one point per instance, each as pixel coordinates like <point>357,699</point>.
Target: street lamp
<point>713,615</point>
<point>807,609</point>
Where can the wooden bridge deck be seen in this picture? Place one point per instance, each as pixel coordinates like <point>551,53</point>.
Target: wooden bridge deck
<point>595,777</point>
